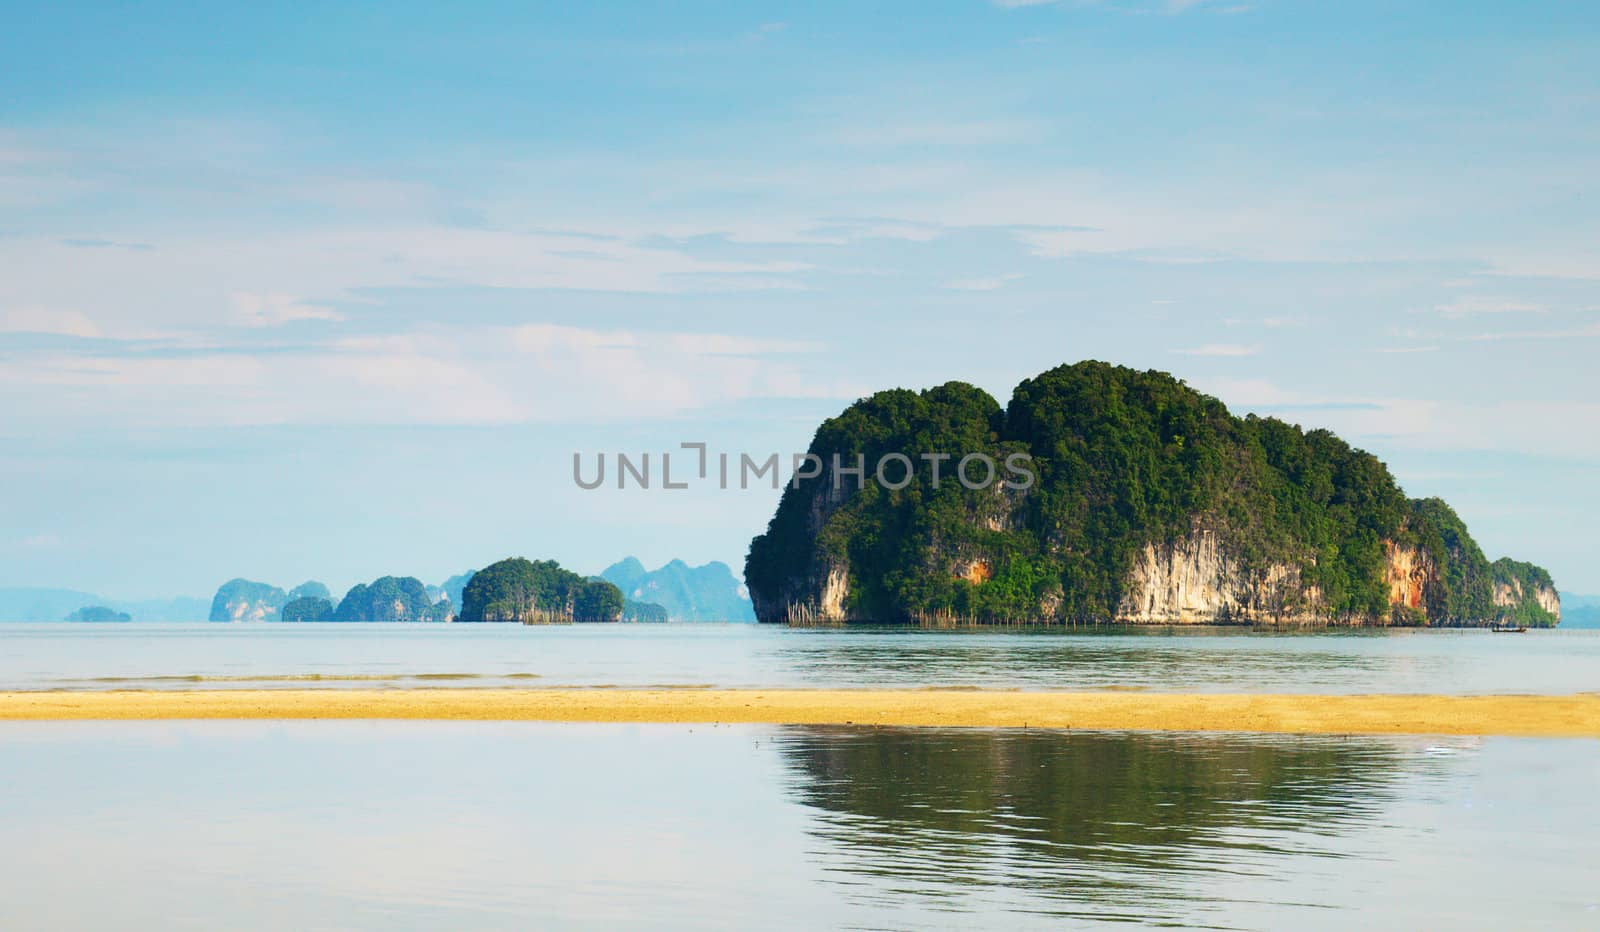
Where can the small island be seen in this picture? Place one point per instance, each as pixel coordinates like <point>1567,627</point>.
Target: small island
<point>390,598</point>
<point>247,600</point>
<point>538,592</point>
<point>99,613</point>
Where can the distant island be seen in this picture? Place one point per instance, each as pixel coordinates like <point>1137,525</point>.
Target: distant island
<point>387,598</point>
<point>247,600</point>
<point>687,593</point>
<point>1150,504</point>
<point>98,613</point>
<point>512,590</point>
<point>540,592</point>
<point>40,604</point>
<point>1580,611</point>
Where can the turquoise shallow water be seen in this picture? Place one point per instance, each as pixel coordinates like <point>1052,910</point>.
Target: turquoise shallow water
<point>61,656</point>
<point>308,825</point>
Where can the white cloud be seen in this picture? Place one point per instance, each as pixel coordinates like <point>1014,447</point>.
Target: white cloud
<point>939,133</point>
<point>1271,323</point>
<point>10,158</point>
<point>1555,263</point>
<point>269,279</point>
<point>271,310</point>
<point>1551,427</point>
<point>1587,330</point>
<point>1219,349</point>
<point>1073,214</point>
<point>992,283</point>
<point>41,542</point>
<point>47,320</point>
<point>1168,6</point>
<point>458,375</point>
<point>841,231</point>
<point>718,344</point>
<point>1246,392</point>
<point>1468,306</point>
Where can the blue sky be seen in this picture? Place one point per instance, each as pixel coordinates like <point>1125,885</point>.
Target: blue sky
<point>337,294</point>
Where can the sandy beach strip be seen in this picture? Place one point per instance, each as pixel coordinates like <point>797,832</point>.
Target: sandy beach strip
<point>1572,715</point>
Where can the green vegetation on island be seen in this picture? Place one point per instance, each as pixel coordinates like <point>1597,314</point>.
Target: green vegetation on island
<point>387,598</point>
<point>1525,594</point>
<point>1149,502</point>
<point>99,613</point>
<point>644,612</point>
<point>515,590</point>
<point>1466,595</point>
<point>311,589</point>
<point>597,600</point>
<point>307,608</point>
<point>537,592</point>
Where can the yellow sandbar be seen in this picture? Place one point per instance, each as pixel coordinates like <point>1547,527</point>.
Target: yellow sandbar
<point>1571,715</point>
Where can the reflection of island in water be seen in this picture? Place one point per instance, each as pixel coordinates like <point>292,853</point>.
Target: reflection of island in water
<point>1095,823</point>
<point>1177,659</point>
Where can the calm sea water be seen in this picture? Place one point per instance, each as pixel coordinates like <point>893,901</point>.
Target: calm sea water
<point>319,825</point>
<point>518,825</point>
<point>62,656</point>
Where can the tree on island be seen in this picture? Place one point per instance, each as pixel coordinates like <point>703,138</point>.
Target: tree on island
<point>597,600</point>
<point>1517,585</point>
<point>644,612</point>
<point>387,598</point>
<point>310,589</point>
<point>537,592</point>
<point>98,613</point>
<point>308,608</point>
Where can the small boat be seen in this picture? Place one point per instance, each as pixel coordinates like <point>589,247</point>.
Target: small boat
<point>1500,630</point>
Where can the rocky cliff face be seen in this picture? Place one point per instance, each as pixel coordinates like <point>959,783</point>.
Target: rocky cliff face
<point>1524,594</point>
<point>1512,594</point>
<point>1549,600</point>
<point>1194,580</point>
<point>819,594</point>
<point>244,600</point>
<point>1409,573</point>
<point>808,601</point>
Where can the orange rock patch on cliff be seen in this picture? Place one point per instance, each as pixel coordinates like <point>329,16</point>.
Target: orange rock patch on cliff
<point>1408,572</point>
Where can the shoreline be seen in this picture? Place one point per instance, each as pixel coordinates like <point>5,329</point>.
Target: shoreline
<point>1510,715</point>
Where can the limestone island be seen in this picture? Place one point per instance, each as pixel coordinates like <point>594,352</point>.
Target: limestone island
<point>1135,500</point>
